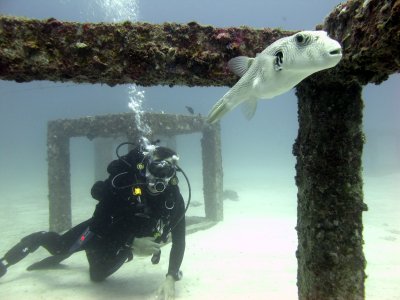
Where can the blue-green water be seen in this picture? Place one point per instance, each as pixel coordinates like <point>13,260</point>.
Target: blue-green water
<point>257,155</point>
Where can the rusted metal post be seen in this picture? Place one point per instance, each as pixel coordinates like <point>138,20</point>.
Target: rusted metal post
<point>331,263</point>
<point>59,181</point>
<point>212,172</point>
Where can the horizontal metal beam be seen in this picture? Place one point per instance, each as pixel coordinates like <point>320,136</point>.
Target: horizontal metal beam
<point>141,53</point>
<point>186,54</point>
<point>369,32</point>
<point>115,125</point>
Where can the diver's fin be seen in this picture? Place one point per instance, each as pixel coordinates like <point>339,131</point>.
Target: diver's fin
<point>249,108</point>
<point>3,268</point>
<point>48,263</point>
<point>239,65</point>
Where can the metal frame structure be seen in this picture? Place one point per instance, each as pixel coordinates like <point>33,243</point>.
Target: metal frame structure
<point>58,149</point>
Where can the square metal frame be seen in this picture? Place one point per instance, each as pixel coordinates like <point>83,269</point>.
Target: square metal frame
<point>59,133</point>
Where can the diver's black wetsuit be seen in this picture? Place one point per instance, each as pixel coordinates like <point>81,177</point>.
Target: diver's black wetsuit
<point>119,217</point>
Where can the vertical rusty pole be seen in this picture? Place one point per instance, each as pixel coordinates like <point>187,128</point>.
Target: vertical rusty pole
<point>212,172</point>
<point>59,174</point>
<point>331,263</point>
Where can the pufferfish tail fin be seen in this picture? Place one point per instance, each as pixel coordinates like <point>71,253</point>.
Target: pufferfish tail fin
<point>218,111</point>
<point>237,94</point>
<point>227,103</point>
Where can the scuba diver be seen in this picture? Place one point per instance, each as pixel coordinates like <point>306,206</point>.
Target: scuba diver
<point>139,206</point>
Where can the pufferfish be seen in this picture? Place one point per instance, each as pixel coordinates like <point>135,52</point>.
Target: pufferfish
<point>277,69</point>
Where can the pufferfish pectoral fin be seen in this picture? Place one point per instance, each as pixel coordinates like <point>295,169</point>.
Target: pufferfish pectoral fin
<point>240,64</point>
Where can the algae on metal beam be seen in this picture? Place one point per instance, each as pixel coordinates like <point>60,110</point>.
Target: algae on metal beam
<point>117,53</point>
<point>328,148</point>
<point>369,32</point>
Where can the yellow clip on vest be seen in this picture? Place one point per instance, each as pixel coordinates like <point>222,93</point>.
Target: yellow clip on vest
<point>136,191</point>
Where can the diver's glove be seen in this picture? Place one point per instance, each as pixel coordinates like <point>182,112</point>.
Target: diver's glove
<point>145,246</point>
<point>167,289</point>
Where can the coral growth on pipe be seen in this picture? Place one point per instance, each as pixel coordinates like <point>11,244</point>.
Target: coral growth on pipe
<point>369,32</point>
<point>118,53</point>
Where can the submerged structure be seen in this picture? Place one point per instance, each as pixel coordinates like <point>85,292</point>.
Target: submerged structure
<point>59,133</point>
<point>331,263</point>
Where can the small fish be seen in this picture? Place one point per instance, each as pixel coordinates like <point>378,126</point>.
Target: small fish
<point>230,195</point>
<point>190,110</point>
<point>277,69</point>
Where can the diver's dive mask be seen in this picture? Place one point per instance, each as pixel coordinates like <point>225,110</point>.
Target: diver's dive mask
<point>159,172</point>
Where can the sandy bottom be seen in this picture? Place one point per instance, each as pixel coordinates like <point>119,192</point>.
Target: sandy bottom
<point>250,255</point>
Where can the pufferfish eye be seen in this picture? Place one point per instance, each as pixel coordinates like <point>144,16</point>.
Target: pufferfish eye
<point>300,39</point>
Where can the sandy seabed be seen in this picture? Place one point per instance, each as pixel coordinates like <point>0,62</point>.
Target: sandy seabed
<point>250,255</point>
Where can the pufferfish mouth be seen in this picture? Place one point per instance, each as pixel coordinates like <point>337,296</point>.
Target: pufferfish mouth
<point>336,52</point>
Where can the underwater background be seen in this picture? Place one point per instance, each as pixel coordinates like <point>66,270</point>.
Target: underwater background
<point>257,155</point>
